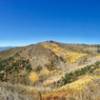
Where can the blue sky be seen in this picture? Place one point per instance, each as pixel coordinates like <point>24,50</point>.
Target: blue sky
<point>25,22</point>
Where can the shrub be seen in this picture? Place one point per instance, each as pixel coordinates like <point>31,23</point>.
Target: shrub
<point>70,77</point>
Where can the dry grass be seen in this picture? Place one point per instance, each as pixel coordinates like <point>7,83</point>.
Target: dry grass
<point>69,56</point>
<point>77,90</point>
<point>79,84</point>
<point>45,71</point>
<point>98,56</point>
<point>18,92</point>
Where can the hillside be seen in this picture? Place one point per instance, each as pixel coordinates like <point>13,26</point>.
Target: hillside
<point>52,68</point>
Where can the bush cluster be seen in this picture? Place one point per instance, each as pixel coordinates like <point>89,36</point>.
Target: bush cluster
<point>70,77</point>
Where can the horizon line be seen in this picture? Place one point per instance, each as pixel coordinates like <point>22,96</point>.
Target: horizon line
<point>36,42</point>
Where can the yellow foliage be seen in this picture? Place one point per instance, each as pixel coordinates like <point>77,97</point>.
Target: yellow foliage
<point>71,88</point>
<point>74,56</point>
<point>33,77</point>
<point>98,56</point>
<point>69,56</point>
<point>81,83</point>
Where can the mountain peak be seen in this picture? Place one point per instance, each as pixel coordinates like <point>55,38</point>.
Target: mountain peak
<point>50,41</point>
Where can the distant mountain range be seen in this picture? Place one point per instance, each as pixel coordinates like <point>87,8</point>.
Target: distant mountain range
<point>4,48</point>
